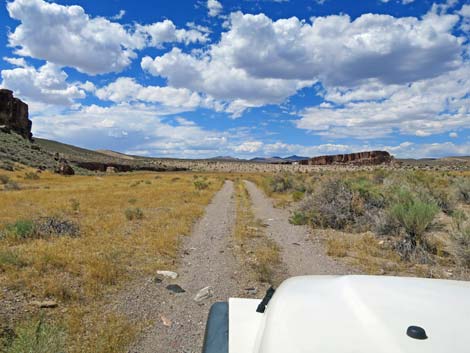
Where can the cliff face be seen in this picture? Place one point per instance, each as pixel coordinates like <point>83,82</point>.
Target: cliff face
<point>360,158</point>
<point>14,115</point>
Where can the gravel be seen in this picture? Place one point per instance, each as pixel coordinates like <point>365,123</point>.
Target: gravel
<point>299,252</point>
<point>208,272</point>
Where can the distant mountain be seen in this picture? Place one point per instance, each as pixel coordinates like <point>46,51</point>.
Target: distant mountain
<point>225,158</point>
<point>295,158</point>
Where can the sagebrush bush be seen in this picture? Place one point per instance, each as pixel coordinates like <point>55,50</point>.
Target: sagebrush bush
<point>45,227</point>
<point>463,189</point>
<point>201,184</point>
<point>134,214</point>
<point>413,215</point>
<point>334,204</point>
<point>460,236</point>
<point>21,229</point>
<point>298,218</point>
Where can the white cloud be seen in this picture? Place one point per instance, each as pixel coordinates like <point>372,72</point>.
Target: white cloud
<point>249,147</point>
<point>67,36</point>
<point>166,32</point>
<point>214,7</point>
<point>259,61</point>
<point>126,89</point>
<point>119,16</point>
<point>453,135</point>
<point>48,84</point>
<point>421,108</point>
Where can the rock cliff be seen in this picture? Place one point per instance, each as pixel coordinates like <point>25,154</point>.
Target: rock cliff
<point>360,158</point>
<point>14,115</point>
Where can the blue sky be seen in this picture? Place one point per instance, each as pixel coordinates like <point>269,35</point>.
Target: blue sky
<point>243,78</point>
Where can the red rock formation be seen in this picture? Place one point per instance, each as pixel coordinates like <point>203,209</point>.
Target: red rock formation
<point>14,115</point>
<point>360,158</point>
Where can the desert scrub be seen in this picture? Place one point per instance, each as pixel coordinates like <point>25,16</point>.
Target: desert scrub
<point>201,184</point>
<point>460,236</point>
<point>463,189</point>
<point>413,214</point>
<point>134,213</point>
<point>335,204</point>
<point>38,337</point>
<point>42,228</point>
<point>298,218</point>
<point>80,271</point>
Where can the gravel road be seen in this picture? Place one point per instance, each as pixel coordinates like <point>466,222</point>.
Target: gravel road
<point>207,259</point>
<point>299,252</point>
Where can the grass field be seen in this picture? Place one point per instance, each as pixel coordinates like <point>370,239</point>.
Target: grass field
<point>76,240</point>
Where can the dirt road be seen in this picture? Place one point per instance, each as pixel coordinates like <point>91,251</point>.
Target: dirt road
<point>300,254</point>
<point>207,260</point>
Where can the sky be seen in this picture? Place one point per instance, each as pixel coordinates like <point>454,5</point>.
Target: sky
<point>197,79</point>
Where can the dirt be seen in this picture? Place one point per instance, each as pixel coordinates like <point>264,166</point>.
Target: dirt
<point>207,259</point>
<point>301,253</point>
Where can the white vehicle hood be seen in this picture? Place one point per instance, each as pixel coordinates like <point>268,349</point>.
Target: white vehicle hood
<point>354,314</point>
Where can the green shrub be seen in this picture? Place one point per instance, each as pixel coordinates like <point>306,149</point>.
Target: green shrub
<point>134,214</point>
<point>298,218</point>
<point>31,176</point>
<point>38,337</point>
<point>201,184</point>
<point>4,179</point>
<point>413,215</point>
<point>22,229</point>
<point>297,195</point>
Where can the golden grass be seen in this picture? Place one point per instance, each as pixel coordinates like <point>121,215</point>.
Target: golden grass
<point>257,251</point>
<point>111,249</point>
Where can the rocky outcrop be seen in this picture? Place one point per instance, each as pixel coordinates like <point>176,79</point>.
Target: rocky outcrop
<point>14,115</point>
<point>360,158</point>
<point>64,168</point>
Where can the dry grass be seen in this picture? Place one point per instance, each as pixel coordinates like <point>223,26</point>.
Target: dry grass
<point>257,251</point>
<point>79,271</point>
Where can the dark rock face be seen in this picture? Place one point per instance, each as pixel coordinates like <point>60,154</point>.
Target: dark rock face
<point>14,115</point>
<point>360,158</point>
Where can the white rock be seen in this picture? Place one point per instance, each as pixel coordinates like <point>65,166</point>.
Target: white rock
<point>203,294</point>
<point>168,274</point>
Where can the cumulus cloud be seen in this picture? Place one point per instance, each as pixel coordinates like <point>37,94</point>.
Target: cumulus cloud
<point>421,108</point>
<point>214,7</point>
<point>259,61</point>
<point>67,36</point>
<point>48,84</point>
<point>126,89</point>
<point>166,32</point>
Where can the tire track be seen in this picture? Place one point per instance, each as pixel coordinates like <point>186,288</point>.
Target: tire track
<point>299,253</point>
